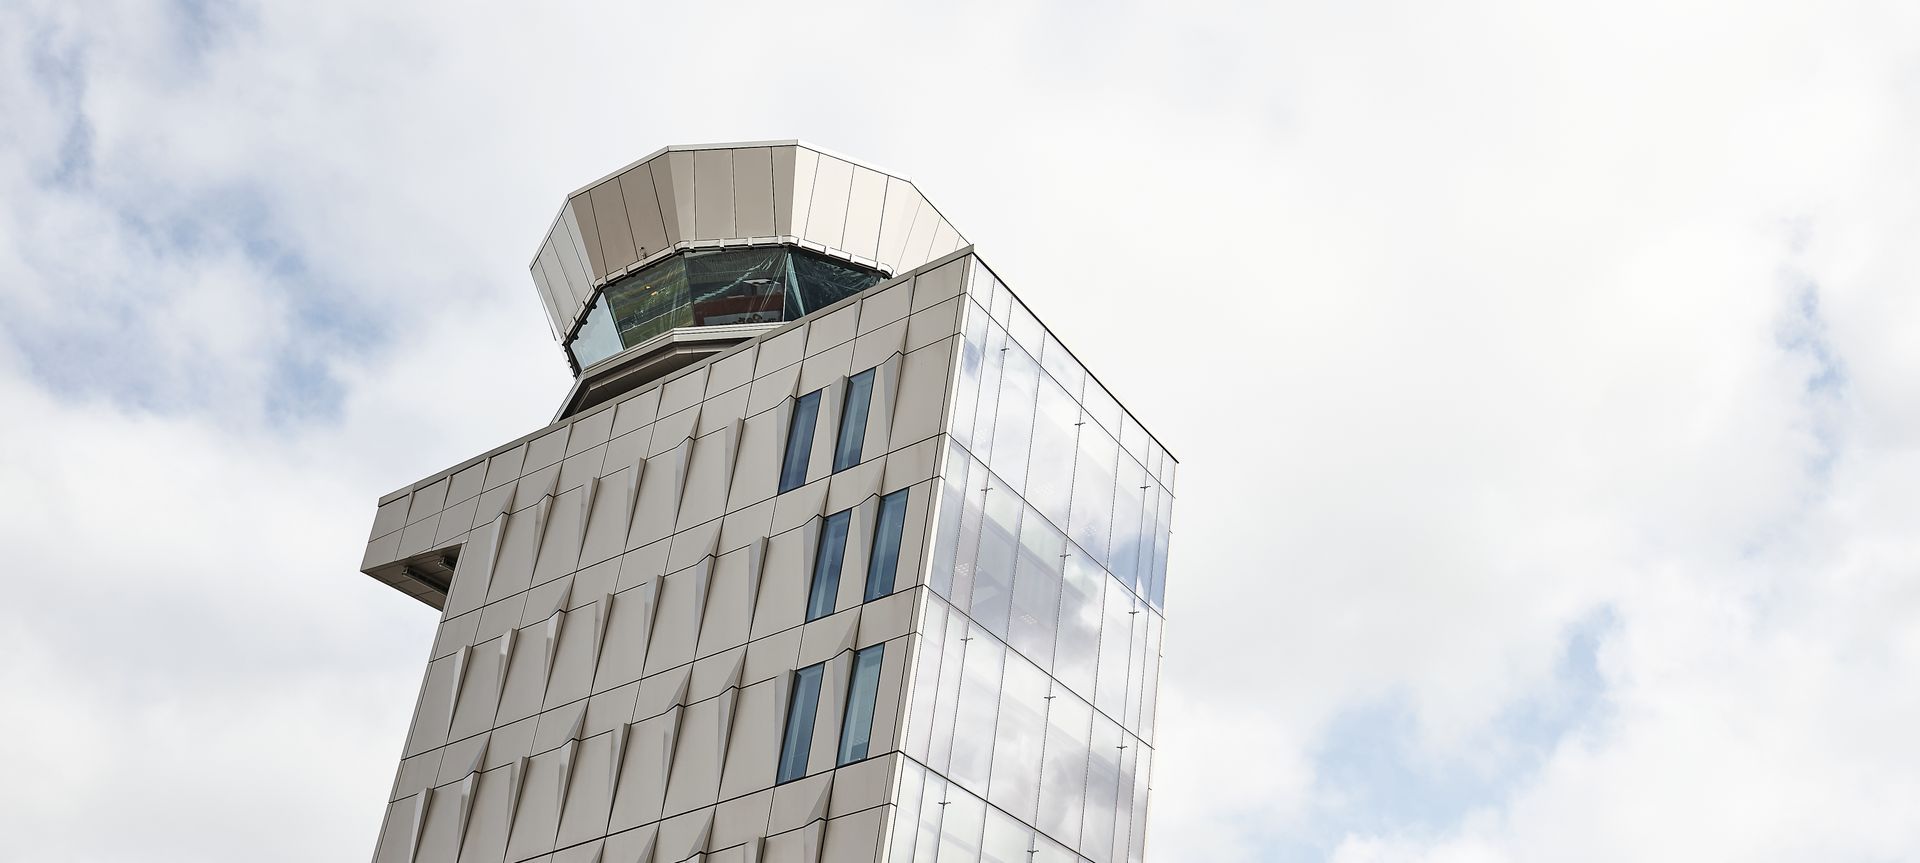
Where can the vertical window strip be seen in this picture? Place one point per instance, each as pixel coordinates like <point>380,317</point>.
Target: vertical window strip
<point>793,467</point>
<point>826,564</point>
<point>853,421</point>
<point>884,562</point>
<point>856,731</point>
<point>801,708</point>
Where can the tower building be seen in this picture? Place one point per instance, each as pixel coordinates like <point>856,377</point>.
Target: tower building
<point>832,553</point>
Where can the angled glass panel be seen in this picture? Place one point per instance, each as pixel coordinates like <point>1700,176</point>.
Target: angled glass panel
<point>1036,589</point>
<point>960,827</point>
<point>820,282</point>
<point>1056,432</point>
<point>1103,790</point>
<point>1076,657</point>
<point>1017,738</point>
<point>1093,479</point>
<point>1129,504</point>
<point>973,358</point>
<point>953,493</point>
<point>987,412</point>
<point>597,339</point>
<point>737,286</point>
<point>799,732</point>
<point>1006,840</point>
<point>826,564</point>
<point>884,560</point>
<point>1013,428</point>
<point>1063,779</point>
<point>992,597</point>
<point>979,705</point>
<point>1116,646</point>
<point>793,465</point>
<point>856,730</point>
<point>650,302</point>
<point>853,421</point>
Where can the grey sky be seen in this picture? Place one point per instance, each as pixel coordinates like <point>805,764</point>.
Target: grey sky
<point>1542,376</point>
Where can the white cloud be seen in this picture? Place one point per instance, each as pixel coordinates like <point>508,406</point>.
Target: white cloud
<point>1472,322</point>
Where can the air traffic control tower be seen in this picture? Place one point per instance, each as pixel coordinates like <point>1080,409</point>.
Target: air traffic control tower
<point>832,553</point>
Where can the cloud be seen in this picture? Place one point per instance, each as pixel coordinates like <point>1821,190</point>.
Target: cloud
<point>1542,378</point>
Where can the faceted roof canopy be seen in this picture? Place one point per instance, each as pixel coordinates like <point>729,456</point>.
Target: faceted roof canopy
<point>706,196</point>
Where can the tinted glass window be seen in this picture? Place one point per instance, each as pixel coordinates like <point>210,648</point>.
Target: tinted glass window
<point>793,467</point>
<point>856,731</point>
<point>853,421</point>
<point>885,559</point>
<point>826,565</point>
<point>741,286</point>
<point>820,282</point>
<point>799,733</point>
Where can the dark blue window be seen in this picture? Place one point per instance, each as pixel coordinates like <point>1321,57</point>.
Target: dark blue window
<point>800,711</point>
<point>793,468</point>
<point>885,559</point>
<point>826,564</point>
<point>857,729</point>
<point>853,421</point>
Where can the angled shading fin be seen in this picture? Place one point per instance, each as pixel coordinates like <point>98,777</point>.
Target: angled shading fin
<point>586,513</point>
<point>516,780</point>
<point>420,804</point>
<point>732,453</point>
<point>702,585</point>
<point>756,568</point>
<point>493,548</point>
<point>553,643</point>
<point>633,494</point>
<point>619,760</point>
<point>602,613</point>
<point>461,660</point>
<point>467,786</point>
<point>506,659</point>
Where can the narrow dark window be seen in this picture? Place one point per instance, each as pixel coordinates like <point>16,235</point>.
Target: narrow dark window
<point>800,710</point>
<point>857,730</point>
<point>793,469</point>
<point>853,421</point>
<point>826,564</point>
<point>885,559</point>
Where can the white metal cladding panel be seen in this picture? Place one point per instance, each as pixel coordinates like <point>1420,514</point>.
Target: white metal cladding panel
<point>753,192</point>
<point>680,173</point>
<point>616,236</point>
<point>864,207</point>
<point>556,310</point>
<point>713,194</point>
<point>580,278</point>
<point>896,219</point>
<point>588,229</point>
<point>827,219</point>
<point>784,192</point>
<point>643,211</point>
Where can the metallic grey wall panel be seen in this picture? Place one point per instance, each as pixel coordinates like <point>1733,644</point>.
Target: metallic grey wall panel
<point>864,203</point>
<point>753,192</point>
<point>664,194</point>
<point>713,193</point>
<point>783,158</point>
<point>827,218</point>
<point>610,216</point>
<point>680,173</point>
<point>896,219</point>
<point>643,211</point>
<point>573,255</point>
<point>581,206</point>
<point>806,168</point>
<point>556,310</point>
<point>920,236</point>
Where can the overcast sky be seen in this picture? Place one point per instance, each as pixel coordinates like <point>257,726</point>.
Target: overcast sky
<point>1545,378</point>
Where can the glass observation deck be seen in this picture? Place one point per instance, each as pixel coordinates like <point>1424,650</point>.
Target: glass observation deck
<point>757,285</point>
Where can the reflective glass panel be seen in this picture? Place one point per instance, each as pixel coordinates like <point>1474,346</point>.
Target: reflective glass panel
<point>1128,502</point>
<point>1137,842</point>
<point>1015,784</point>
<point>1116,644</point>
<point>1056,429</point>
<point>960,827</point>
<point>1157,584</point>
<point>967,541</point>
<point>737,286</point>
<point>1076,655</point>
<point>983,418</point>
<point>979,703</point>
<point>1103,790</point>
<point>597,338</point>
<point>1013,430</point>
<point>906,816</point>
<point>856,730</point>
<point>926,679</point>
<point>1036,589</point>
<point>799,733</point>
<point>953,491</point>
<point>947,701</point>
<point>1063,367</point>
<point>853,421</point>
<point>650,302</point>
<point>993,576</point>
<point>1063,782</point>
<point>826,564</point>
<point>793,465</point>
<point>884,561</point>
<point>1006,840</point>
<point>933,799</point>
<point>1093,470</point>
<point>820,282</point>
<point>966,390</point>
